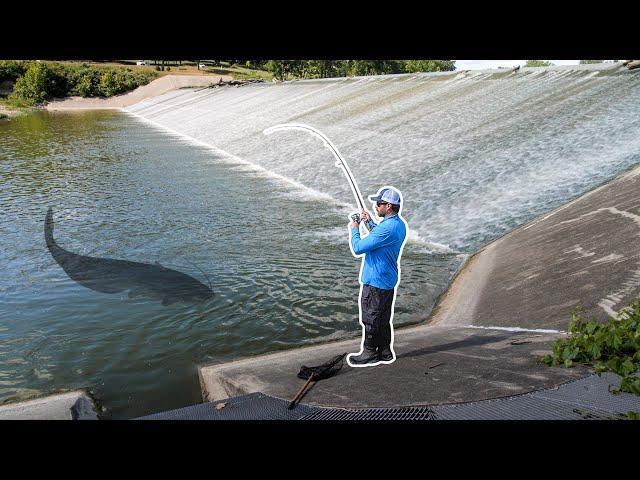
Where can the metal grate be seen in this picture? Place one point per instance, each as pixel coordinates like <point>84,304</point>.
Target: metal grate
<point>254,406</point>
<point>404,413</point>
<point>586,398</point>
<point>592,393</point>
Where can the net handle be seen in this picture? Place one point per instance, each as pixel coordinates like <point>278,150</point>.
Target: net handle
<point>304,387</point>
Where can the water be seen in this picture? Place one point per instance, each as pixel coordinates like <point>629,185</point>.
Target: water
<point>121,189</point>
<point>188,178</point>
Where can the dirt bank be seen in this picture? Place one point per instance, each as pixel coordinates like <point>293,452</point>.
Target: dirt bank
<point>153,89</point>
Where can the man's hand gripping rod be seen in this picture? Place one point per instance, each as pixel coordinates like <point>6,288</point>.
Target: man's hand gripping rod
<point>339,162</point>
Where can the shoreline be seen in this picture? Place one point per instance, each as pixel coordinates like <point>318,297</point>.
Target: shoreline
<point>153,89</point>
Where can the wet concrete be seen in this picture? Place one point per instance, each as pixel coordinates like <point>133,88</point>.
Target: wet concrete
<point>585,253</point>
<point>65,406</point>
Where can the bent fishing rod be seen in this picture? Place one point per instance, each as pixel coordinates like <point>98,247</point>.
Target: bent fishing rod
<point>340,162</point>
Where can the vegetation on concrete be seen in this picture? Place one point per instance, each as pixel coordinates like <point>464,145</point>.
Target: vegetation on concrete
<point>612,346</point>
<point>37,82</point>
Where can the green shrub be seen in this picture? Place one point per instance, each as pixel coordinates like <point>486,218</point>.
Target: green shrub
<point>12,70</point>
<point>87,84</point>
<point>43,81</point>
<point>31,88</point>
<point>613,346</point>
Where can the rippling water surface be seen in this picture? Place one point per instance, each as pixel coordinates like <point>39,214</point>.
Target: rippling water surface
<point>277,258</point>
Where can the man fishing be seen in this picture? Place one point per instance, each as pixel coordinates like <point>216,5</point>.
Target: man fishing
<point>379,276</point>
<point>380,272</point>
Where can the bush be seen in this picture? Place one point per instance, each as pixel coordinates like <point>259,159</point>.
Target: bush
<point>12,70</point>
<point>613,346</point>
<point>31,88</point>
<point>87,83</point>
<point>43,81</point>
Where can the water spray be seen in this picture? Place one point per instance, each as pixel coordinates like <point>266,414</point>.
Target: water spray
<point>340,162</point>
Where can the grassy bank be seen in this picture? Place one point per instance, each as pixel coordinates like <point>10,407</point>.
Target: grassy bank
<point>34,83</point>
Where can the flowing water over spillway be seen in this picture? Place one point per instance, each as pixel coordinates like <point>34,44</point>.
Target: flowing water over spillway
<point>474,154</point>
<point>189,180</point>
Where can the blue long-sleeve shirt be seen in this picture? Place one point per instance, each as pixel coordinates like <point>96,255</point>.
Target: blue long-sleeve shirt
<point>382,248</point>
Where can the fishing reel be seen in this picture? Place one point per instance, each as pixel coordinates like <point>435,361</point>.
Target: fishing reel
<point>356,217</point>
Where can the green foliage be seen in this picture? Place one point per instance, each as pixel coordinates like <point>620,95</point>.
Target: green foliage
<point>291,69</point>
<point>586,62</point>
<point>3,116</point>
<point>12,69</point>
<point>538,63</point>
<point>412,66</point>
<point>43,81</point>
<point>633,415</point>
<point>613,346</point>
<point>31,88</point>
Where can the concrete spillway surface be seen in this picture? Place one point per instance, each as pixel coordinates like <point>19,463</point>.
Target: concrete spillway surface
<point>495,321</point>
<point>66,406</point>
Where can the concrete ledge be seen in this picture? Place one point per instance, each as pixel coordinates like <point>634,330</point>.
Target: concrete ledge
<point>74,405</point>
<point>434,365</point>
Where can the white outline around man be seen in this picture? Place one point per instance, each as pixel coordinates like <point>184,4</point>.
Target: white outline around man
<point>379,277</point>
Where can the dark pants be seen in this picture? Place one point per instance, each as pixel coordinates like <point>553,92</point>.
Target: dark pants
<point>375,304</point>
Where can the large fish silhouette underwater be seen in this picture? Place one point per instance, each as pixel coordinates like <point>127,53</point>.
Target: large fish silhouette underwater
<point>108,275</point>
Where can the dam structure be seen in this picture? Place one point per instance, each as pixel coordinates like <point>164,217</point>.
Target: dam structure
<point>519,162</point>
<point>475,154</point>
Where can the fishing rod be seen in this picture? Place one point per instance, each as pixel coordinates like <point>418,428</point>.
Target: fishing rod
<point>340,162</point>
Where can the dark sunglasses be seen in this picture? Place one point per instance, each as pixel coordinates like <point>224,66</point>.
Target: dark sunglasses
<point>382,203</point>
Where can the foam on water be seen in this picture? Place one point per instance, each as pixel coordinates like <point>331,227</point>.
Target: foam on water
<point>475,153</point>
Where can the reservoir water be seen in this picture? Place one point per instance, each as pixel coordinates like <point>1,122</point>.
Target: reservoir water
<point>189,180</point>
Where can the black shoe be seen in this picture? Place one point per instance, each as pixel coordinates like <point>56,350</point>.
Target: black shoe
<point>368,355</point>
<point>385,354</point>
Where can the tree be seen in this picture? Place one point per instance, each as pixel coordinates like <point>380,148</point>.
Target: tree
<point>587,62</point>
<point>414,66</point>
<point>31,88</point>
<point>538,63</point>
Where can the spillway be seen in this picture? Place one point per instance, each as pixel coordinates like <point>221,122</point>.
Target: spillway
<point>475,153</point>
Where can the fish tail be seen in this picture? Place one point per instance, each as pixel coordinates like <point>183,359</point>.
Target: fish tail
<point>48,229</point>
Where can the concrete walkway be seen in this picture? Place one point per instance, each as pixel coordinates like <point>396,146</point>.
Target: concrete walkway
<point>434,365</point>
<point>586,252</point>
